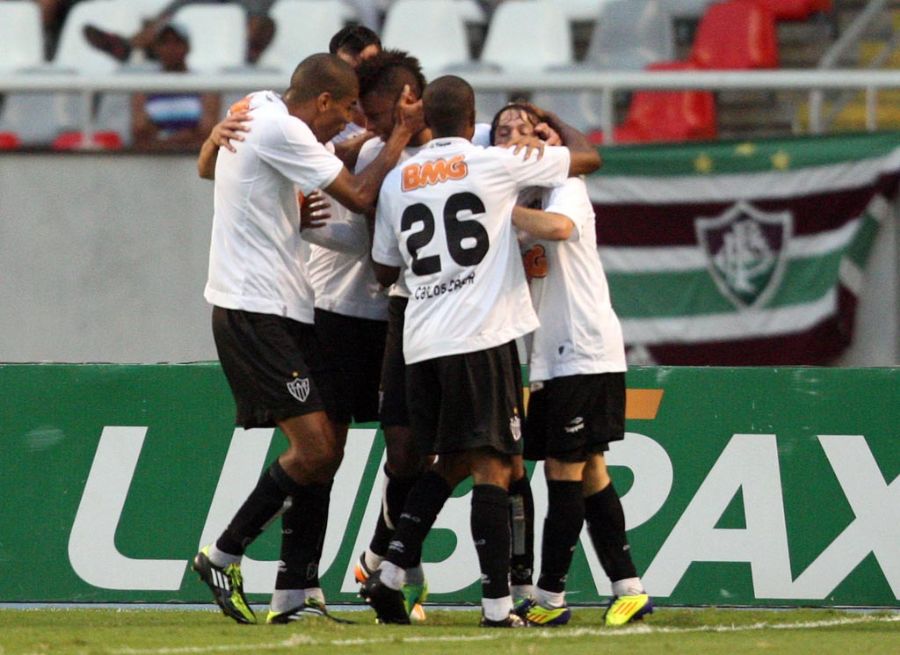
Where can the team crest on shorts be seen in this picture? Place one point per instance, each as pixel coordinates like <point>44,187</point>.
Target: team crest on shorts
<point>299,388</point>
<point>515,427</point>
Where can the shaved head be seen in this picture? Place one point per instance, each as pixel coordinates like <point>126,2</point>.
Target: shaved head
<point>449,104</point>
<point>322,73</point>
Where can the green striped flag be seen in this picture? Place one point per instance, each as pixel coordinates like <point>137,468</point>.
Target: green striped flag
<point>742,253</point>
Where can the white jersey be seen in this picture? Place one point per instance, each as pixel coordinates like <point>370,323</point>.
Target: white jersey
<point>255,259</point>
<point>444,216</point>
<point>579,332</point>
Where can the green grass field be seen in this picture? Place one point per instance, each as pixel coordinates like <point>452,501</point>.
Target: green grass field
<point>172,632</point>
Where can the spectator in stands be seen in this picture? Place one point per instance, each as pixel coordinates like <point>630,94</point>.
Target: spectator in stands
<point>172,121</point>
<point>260,30</point>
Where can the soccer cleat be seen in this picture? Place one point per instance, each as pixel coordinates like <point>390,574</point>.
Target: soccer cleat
<point>227,587</point>
<point>414,595</point>
<point>625,609</point>
<point>511,621</point>
<point>311,608</point>
<point>389,604</point>
<point>522,605</point>
<point>547,616</point>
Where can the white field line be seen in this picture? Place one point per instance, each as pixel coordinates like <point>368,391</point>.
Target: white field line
<point>556,633</point>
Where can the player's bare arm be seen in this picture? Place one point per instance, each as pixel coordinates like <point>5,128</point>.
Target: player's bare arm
<point>359,192</point>
<point>230,128</point>
<point>542,224</point>
<point>348,150</point>
<point>386,275</point>
<point>585,158</point>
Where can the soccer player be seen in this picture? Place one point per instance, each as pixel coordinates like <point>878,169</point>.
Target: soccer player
<point>444,217</point>
<point>263,312</point>
<point>577,403</point>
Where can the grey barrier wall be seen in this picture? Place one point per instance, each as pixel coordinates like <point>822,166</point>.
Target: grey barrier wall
<point>103,259</point>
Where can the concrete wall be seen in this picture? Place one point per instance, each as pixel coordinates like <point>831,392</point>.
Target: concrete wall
<point>103,259</point>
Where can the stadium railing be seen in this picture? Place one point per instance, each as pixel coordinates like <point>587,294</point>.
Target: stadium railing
<point>606,83</point>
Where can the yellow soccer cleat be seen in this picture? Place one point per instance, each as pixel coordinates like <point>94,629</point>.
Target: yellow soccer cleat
<point>625,609</point>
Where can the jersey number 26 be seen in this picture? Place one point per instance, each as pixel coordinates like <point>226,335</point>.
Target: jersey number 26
<point>456,230</point>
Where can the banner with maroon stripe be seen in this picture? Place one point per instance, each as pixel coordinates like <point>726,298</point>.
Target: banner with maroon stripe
<point>746,253</point>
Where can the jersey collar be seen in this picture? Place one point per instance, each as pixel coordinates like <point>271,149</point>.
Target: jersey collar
<point>447,141</point>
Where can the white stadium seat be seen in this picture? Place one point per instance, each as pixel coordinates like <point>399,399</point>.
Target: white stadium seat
<point>528,35</point>
<point>218,35</point>
<point>21,36</point>
<point>431,30</point>
<point>303,27</point>
<point>75,53</point>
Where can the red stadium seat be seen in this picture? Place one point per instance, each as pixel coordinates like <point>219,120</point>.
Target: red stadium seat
<point>667,115</point>
<point>795,9</point>
<point>76,141</point>
<point>735,35</point>
<point>9,141</point>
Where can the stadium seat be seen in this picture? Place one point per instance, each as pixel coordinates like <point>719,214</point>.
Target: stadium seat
<point>667,115</point>
<point>431,30</point>
<point>75,53</point>
<point>735,35</point>
<point>302,28</point>
<point>37,118</point>
<point>9,141</point>
<point>795,9</point>
<point>471,12</point>
<point>218,35</point>
<point>627,36</point>
<point>77,141</point>
<point>630,35</point>
<point>693,9</point>
<point>21,36</point>
<point>584,10</point>
<point>527,36</point>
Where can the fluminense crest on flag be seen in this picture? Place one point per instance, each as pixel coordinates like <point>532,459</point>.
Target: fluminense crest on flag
<point>745,262</point>
<point>745,251</point>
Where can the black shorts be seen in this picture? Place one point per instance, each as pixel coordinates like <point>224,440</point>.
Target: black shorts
<point>352,349</point>
<point>467,401</point>
<point>270,362</point>
<point>393,409</point>
<point>573,417</point>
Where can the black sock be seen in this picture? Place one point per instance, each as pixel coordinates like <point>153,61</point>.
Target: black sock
<point>565,517</point>
<point>303,536</point>
<point>490,532</point>
<point>521,507</point>
<point>262,506</point>
<point>606,525</point>
<point>423,504</point>
<point>396,489</point>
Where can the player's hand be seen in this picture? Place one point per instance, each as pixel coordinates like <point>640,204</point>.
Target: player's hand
<point>530,144</point>
<point>409,113</point>
<point>547,134</point>
<point>314,211</point>
<point>230,128</point>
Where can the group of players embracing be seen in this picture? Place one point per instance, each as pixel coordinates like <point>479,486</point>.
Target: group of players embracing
<point>439,211</point>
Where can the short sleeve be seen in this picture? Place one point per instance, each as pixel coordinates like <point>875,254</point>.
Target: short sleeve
<point>552,169</point>
<point>571,200</point>
<point>289,146</point>
<point>385,245</point>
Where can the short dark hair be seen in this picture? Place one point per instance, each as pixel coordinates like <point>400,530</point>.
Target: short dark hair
<point>449,103</point>
<point>495,123</point>
<point>388,72</point>
<point>354,39</point>
<point>322,73</point>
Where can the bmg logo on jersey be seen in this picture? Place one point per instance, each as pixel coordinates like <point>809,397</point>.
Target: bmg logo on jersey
<point>416,176</point>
